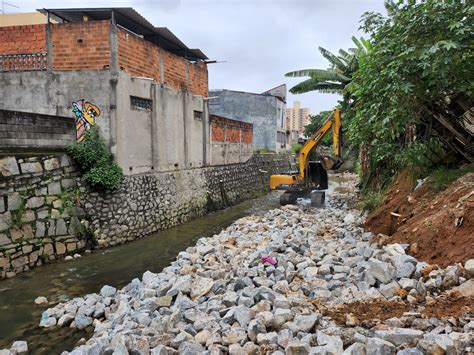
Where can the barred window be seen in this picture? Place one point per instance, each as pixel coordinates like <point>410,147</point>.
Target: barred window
<point>198,115</point>
<point>140,103</point>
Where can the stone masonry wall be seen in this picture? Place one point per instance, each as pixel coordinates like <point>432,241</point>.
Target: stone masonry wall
<point>148,203</point>
<point>39,217</point>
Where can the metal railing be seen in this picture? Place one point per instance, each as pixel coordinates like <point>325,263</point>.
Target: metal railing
<point>24,62</point>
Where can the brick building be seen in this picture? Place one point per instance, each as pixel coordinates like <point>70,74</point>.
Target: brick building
<point>143,87</point>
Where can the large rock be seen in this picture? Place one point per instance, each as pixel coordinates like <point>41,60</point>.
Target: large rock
<point>332,344</point>
<point>82,321</point>
<point>469,266</point>
<point>355,349</point>
<point>19,347</point>
<point>201,286</point>
<point>108,291</point>
<point>190,348</point>
<point>305,323</point>
<point>297,347</point>
<point>383,272</point>
<point>399,336</point>
<point>376,346</point>
<point>8,166</point>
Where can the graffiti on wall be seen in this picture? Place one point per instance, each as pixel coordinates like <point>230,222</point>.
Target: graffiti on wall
<point>85,114</point>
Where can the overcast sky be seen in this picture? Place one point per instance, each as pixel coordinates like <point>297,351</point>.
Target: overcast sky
<point>259,40</point>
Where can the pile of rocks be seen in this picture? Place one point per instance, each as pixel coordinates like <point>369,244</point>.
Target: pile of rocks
<point>220,297</point>
<point>17,348</point>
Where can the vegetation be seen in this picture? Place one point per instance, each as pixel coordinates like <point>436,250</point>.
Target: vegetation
<point>442,176</point>
<point>338,77</point>
<point>371,200</point>
<point>95,160</point>
<point>419,62</point>
<point>296,147</point>
<point>17,214</point>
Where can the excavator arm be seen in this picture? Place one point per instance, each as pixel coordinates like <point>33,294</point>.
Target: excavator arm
<point>332,122</point>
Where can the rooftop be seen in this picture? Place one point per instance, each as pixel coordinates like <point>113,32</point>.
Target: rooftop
<point>130,19</point>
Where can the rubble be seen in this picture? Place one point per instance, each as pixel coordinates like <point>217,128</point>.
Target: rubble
<point>220,297</point>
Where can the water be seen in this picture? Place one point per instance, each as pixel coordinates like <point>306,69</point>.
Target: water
<point>19,316</point>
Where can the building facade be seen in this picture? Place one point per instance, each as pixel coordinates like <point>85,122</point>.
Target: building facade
<point>264,111</point>
<point>143,88</point>
<point>297,118</point>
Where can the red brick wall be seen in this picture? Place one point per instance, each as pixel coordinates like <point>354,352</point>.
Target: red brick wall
<point>81,45</point>
<point>137,56</point>
<point>141,58</point>
<point>225,129</point>
<point>22,39</point>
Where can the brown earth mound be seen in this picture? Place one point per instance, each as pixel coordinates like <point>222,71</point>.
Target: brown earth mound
<point>439,226</point>
<point>445,306</point>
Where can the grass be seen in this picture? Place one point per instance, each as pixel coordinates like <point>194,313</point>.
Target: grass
<point>443,176</point>
<point>371,200</point>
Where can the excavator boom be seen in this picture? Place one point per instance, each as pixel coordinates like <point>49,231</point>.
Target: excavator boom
<point>305,175</point>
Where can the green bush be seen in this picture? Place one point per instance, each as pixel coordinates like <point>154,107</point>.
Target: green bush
<point>96,161</point>
<point>296,147</point>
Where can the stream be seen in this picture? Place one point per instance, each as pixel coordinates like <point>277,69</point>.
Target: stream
<point>117,266</point>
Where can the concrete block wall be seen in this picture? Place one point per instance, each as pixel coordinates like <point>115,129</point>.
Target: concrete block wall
<point>32,131</point>
<point>147,203</point>
<point>40,217</point>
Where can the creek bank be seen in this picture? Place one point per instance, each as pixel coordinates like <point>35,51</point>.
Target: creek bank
<point>219,296</point>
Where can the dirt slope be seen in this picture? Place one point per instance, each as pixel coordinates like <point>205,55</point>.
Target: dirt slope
<point>439,226</point>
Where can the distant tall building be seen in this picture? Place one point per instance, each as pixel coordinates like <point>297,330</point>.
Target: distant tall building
<point>297,118</point>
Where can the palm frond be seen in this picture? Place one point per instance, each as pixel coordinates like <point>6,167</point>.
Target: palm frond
<point>333,59</point>
<point>315,85</point>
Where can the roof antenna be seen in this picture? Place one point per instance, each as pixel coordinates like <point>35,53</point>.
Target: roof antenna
<point>8,4</point>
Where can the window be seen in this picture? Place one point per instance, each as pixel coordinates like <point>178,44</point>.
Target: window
<point>140,103</point>
<point>198,115</point>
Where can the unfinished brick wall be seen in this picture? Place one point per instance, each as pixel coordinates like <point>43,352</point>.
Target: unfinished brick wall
<point>138,56</point>
<point>227,130</point>
<point>81,45</point>
<point>22,39</point>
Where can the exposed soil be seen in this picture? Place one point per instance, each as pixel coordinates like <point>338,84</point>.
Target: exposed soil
<point>450,305</point>
<point>367,311</point>
<point>439,226</point>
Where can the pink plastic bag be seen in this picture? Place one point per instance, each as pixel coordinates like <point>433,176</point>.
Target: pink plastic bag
<point>269,259</point>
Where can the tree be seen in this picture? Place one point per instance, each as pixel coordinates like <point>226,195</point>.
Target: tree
<point>421,60</point>
<point>337,77</point>
<point>315,123</point>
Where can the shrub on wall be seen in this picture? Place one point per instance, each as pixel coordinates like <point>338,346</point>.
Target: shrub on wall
<point>95,160</point>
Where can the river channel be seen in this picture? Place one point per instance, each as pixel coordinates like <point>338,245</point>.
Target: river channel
<point>116,266</point>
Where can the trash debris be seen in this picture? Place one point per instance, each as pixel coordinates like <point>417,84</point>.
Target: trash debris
<point>269,259</point>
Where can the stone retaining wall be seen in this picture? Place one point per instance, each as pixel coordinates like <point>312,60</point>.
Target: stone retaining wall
<point>152,202</point>
<point>39,217</point>
<point>46,214</point>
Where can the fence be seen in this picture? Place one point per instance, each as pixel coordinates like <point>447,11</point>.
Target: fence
<point>24,62</point>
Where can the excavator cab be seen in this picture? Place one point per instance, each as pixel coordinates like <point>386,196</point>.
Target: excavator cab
<point>312,174</point>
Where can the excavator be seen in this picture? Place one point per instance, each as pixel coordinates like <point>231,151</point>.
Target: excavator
<point>311,176</point>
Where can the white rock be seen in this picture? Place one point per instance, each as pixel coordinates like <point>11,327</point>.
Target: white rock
<point>399,336</point>
<point>108,291</point>
<point>41,300</point>
<point>332,344</point>
<point>355,349</point>
<point>376,346</point>
<point>469,266</point>
<point>19,347</point>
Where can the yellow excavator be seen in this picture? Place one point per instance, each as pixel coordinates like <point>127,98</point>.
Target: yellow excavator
<point>312,175</point>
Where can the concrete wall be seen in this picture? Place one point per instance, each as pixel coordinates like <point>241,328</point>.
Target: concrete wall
<point>263,111</point>
<point>31,131</point>
<point>165,137</point>
<point>52,93</point>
